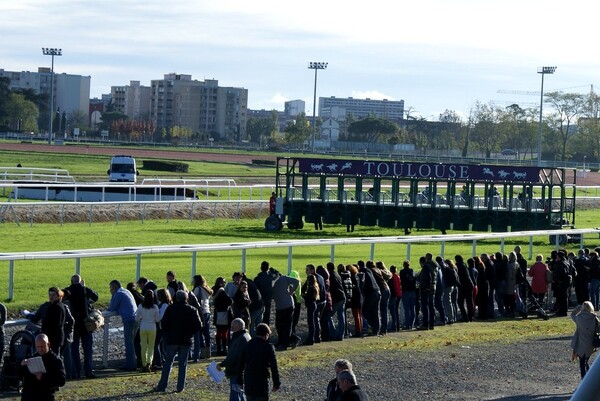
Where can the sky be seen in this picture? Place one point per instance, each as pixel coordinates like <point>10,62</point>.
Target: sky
<point>433,54</point>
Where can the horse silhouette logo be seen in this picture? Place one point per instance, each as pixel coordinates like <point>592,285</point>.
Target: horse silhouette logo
<point>519,176</point>
<point>503,174</point>
<point>316,167</point>
<point>346,166</point>
<point>487,171</point>
<point>332,167</point>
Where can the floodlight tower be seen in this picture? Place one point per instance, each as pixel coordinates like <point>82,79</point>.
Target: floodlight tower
<point>543,71</point>
<point>315,65</point>
<point>51,52</point>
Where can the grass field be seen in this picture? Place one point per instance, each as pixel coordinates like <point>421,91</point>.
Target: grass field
<point>33,277</point>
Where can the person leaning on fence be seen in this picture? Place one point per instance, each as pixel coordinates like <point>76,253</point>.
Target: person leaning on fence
<point>42,386</point>
<point>586,323</point>
<point>80,299</point>
<point>123,304</point>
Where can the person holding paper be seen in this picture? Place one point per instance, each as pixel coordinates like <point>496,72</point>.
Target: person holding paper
<point>239,338</point>
<point>42,380</point>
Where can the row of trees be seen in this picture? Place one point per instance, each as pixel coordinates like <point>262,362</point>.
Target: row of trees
<point>570,129</point>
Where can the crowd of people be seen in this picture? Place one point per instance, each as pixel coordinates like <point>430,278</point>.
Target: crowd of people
<point>165,323</point>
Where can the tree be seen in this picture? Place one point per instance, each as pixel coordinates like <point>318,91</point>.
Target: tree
<point>486,133</point>
<point>298,131</point>
<point>4,99</point>
<point>587,141</point>
<point>258,129</point>
<point>22,114</point>
<point>567,106</point>
<point>78,119</point>
<point>371,129</point>
<point>108,117</point>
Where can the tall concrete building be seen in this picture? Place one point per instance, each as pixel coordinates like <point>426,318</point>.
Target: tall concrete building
<point>294,107</point>
<point>132,100</point>
<point>71,92</point>
<point>208,110</point>
<point>339,108</point>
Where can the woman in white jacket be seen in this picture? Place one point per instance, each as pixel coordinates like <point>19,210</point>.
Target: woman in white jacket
<point>147,314</point>
<point>586,323</point>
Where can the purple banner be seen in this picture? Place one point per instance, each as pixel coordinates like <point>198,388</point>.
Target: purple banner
<point>420,170</point>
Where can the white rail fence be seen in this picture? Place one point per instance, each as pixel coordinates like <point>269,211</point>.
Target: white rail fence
<point>194,250</point>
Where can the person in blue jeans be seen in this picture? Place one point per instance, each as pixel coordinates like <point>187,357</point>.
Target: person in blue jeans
<point>409,295</point>
<point>123,304</point>
<point>179,323</point>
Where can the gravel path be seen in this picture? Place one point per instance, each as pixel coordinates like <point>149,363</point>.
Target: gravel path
<point>532,369</point>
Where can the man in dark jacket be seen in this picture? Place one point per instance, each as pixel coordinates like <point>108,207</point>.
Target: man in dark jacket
<point>54,321</point>
<point>42,386</point>
<point>239,338</point>
<point>351,389</point>
<point>427,286</point>
<point>334,391</point>
<point>338,300</point>
<point>258,356</point>
<point>264,283</point>
<point>179,324</point>
<point>80,298</point>
<point>372,298</point>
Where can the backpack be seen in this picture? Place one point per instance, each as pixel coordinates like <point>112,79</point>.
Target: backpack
<point>94,320</point>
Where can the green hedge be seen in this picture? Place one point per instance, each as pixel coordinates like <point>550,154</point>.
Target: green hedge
<point>161,165</point>
<point>263,162</point>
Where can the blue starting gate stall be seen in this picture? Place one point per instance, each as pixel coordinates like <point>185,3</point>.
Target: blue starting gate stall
<point>407,195</point>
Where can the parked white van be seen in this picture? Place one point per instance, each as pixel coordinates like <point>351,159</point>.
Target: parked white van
<point>122,169</point>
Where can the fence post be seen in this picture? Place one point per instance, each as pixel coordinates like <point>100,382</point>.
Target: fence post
<point>194,257</point>
<point>408,251</point>
<point>372,251</point>
<point>11,279</point>
<point>289,260</point>
<point>138,266</point>
<point>332,253</point>
<point>442,248</point>
<point>78,266</point>
<point>244,260</point>
<point>474,252</point>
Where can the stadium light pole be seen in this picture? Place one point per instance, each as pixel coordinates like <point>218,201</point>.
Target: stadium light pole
<point>51,52</point>
<point>543,71</point>
<point>315,65</point>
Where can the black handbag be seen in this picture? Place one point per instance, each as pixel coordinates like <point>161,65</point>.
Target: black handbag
<point>596,340</point>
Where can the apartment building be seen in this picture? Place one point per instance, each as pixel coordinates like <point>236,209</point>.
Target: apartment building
<point>71,92</point>
<point>132,100</point>
<point>339,108</point>
<point>203,106</point>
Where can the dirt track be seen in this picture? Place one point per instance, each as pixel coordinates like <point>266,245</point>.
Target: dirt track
<point>110,151</point>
